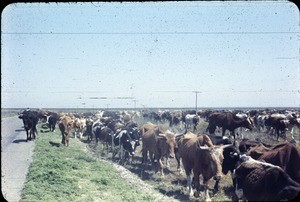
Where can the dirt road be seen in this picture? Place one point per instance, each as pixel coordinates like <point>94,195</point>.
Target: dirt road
<point>16,156</point>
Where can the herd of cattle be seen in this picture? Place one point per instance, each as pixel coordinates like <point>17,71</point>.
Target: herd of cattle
<point>260,171</point>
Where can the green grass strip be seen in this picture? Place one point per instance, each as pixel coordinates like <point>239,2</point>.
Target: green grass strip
<point>60,173</point>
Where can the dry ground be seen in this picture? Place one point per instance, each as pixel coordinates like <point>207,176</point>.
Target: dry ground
<point>173,184</point>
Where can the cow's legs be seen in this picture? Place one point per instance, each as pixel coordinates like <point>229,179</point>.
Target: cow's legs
<point>53,127</point>
<point>151,155</point>
<point>167,162</point>
<point>189,184</point>
<point>121,156</point>
<point>217,179</point>
<point>144,160</point>
<point>232,133</point>
<point>197,182</point>
<point>144,156</point>
<point>63,138</point>
<point>177,156</point>
<point>292,132</point>
<point>107,147</point>
<point>158,163</point>
<point>160,167</point>
<point>27,135</point>
<point>31,133</point>
<point>67,138</point>
<point>34,132</point>
<point>206,194</point>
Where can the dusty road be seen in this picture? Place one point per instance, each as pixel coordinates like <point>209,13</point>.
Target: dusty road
<point>16,156</point>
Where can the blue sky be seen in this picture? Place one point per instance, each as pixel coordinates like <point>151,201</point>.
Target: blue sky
<point>238,54</point>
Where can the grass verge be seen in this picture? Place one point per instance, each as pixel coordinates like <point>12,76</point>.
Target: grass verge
<point>60,173</point>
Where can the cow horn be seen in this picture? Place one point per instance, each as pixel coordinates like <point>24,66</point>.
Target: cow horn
<point>225,146</point>
<point>204,148</point>
<point>162,135</point>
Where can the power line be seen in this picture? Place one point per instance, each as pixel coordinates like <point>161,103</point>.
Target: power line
<point>235,91</point>
<point>145,33</point>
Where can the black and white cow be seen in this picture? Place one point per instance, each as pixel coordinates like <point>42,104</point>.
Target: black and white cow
<point>122,141</point>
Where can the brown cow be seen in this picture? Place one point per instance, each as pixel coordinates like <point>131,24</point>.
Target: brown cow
<point>65,126</point>
<point>246,145</point>
<point>201,160</point>
<point>150,126</point>
<point>281,125</point>
<point>79,124</point>
<point>259,181</point>
<point>228,121</point>
<point>285,155</point>
<point>159,144</point>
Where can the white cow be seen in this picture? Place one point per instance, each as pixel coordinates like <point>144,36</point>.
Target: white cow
<point>191,121</point>
<point>79,125</point>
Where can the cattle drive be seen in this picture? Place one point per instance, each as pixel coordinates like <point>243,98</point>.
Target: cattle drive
<point>191,148</point>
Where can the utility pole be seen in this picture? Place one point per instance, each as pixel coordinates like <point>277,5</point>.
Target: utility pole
<point>196,92</point>
<point>134,103</point>
<point>196,104</point>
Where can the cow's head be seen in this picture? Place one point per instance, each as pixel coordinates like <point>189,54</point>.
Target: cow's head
<point>29,120</point>
<point>89,122</point>
<point>295,121</point>
<point>26,121</point>
<point>248,123</point>
<point>135,136</point>
<point>231,158</point>
<point>213,155</point>
<point>128,145</point>
<point>65,125</point>
<point>167,143</point>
